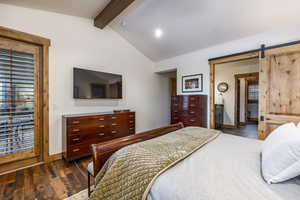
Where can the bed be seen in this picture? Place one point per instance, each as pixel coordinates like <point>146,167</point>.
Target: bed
<point>225,167</point>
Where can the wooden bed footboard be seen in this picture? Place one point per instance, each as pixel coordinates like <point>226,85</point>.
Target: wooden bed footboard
<point>102,151</point>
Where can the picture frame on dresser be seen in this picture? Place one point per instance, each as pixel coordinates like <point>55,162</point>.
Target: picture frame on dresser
<point>192,83</point>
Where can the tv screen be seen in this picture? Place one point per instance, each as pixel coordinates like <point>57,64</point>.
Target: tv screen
<point>96,85</point>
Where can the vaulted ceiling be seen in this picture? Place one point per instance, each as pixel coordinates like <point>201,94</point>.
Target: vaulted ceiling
<point>187,25</point>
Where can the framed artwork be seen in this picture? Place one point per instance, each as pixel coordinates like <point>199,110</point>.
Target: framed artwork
<point>192,83</point>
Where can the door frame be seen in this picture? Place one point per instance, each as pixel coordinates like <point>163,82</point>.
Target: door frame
<point>213,63</point>
<point>237,97</point>
<point>44,44</point>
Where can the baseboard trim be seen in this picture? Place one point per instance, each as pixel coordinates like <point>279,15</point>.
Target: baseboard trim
<point>20,168</point>
<point>228,126</point>
<point>242,123</point>
<point>10,167</point>
<point>55,157</point>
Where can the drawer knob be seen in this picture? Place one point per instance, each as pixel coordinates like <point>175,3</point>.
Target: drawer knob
<point>76,139</point>
<point>75,122</point>
<point>192,120</point>
<point>113,117</point>
<point>114,132</point>
<point>192,112</point>
<point>114,124</point>
<point>76,150</point>
<point>76,130</point>
<point>131,116</point>
<point>131,128</point>
<point>101,119</point>
<point>101,134</point>
<point>130,122</point>
<point>101,126</point>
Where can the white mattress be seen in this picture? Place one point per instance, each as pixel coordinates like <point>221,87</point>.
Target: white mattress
<point>228,168</point>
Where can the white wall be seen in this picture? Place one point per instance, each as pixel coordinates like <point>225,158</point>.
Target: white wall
<point>242,99</point>
<point>197,62</point>
<point>77,43</point>
<point>225,73</point>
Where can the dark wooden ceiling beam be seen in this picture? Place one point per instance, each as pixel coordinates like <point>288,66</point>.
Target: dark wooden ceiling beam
<point>111,11</point>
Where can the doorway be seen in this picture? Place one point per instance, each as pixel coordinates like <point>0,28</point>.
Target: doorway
<point>278,85</point>
<point>236,97</point>
<point>170,85</point>
<point>247,97</point>
<point>23,100</point>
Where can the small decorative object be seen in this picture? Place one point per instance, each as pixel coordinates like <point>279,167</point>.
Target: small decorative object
<point>192,83</point>
<point>222,87</point>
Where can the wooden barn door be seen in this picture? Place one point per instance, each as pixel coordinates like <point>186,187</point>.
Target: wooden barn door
<point>279,83</point>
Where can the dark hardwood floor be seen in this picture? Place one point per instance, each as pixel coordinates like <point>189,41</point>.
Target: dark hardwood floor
<point>249,131</point>
<point>56,180</point>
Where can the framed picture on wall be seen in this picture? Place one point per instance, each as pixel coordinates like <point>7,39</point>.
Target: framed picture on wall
<point>192,83</point>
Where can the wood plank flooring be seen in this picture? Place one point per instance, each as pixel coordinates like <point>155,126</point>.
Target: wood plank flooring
<point>249,131</point>
<point>56,180</point>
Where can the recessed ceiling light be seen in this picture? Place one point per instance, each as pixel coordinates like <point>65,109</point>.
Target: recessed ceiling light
<point>158,33</point>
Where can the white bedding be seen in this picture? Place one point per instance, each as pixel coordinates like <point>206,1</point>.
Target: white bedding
<point>227,168</point>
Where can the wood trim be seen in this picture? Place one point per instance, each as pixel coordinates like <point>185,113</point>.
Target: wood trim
<point>24,37</point>
<point>102,151</point>
<point>212,64</point>
<point>212,96</point>
<point>246,75</point>
<point>55,157</point>
<point>22,164</point>
<point>45,103</point>
<point>44,44</point>
<point>235,58</point>
<point>283,50</point>
<point>110,12</point>
<point>228,126</point>
<point>237,105</point>
<point>246,100</point>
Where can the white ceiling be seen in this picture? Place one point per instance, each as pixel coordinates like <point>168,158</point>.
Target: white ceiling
<point>80,8</point>
<point>188,25</point>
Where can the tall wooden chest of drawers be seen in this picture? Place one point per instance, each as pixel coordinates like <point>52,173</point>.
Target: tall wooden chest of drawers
<point>191,110</point>
<point>80,131</point>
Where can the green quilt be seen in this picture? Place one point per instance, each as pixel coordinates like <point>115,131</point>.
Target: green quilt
<point>131,171</point>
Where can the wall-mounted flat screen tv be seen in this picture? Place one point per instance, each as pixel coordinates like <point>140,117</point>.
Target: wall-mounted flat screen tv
<point>96,85</point>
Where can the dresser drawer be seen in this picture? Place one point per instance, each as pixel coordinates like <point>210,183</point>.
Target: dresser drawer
<point>77,151</point>
<point>121,117</point>
<point>131,130</point>
<point>86,129</point>
<point>86,120</point>
<point>88,138</point>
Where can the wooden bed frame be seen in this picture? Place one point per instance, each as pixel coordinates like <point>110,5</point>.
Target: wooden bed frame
<point>102,151</point>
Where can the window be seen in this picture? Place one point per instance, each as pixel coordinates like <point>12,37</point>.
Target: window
<point>16,101</point>
<point>253,92</point>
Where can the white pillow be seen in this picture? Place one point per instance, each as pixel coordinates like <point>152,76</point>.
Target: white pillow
<point>281,154</point>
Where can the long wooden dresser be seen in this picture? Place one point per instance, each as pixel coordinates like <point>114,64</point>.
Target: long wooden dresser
<point>191,110</point>
<point>80,131</point>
